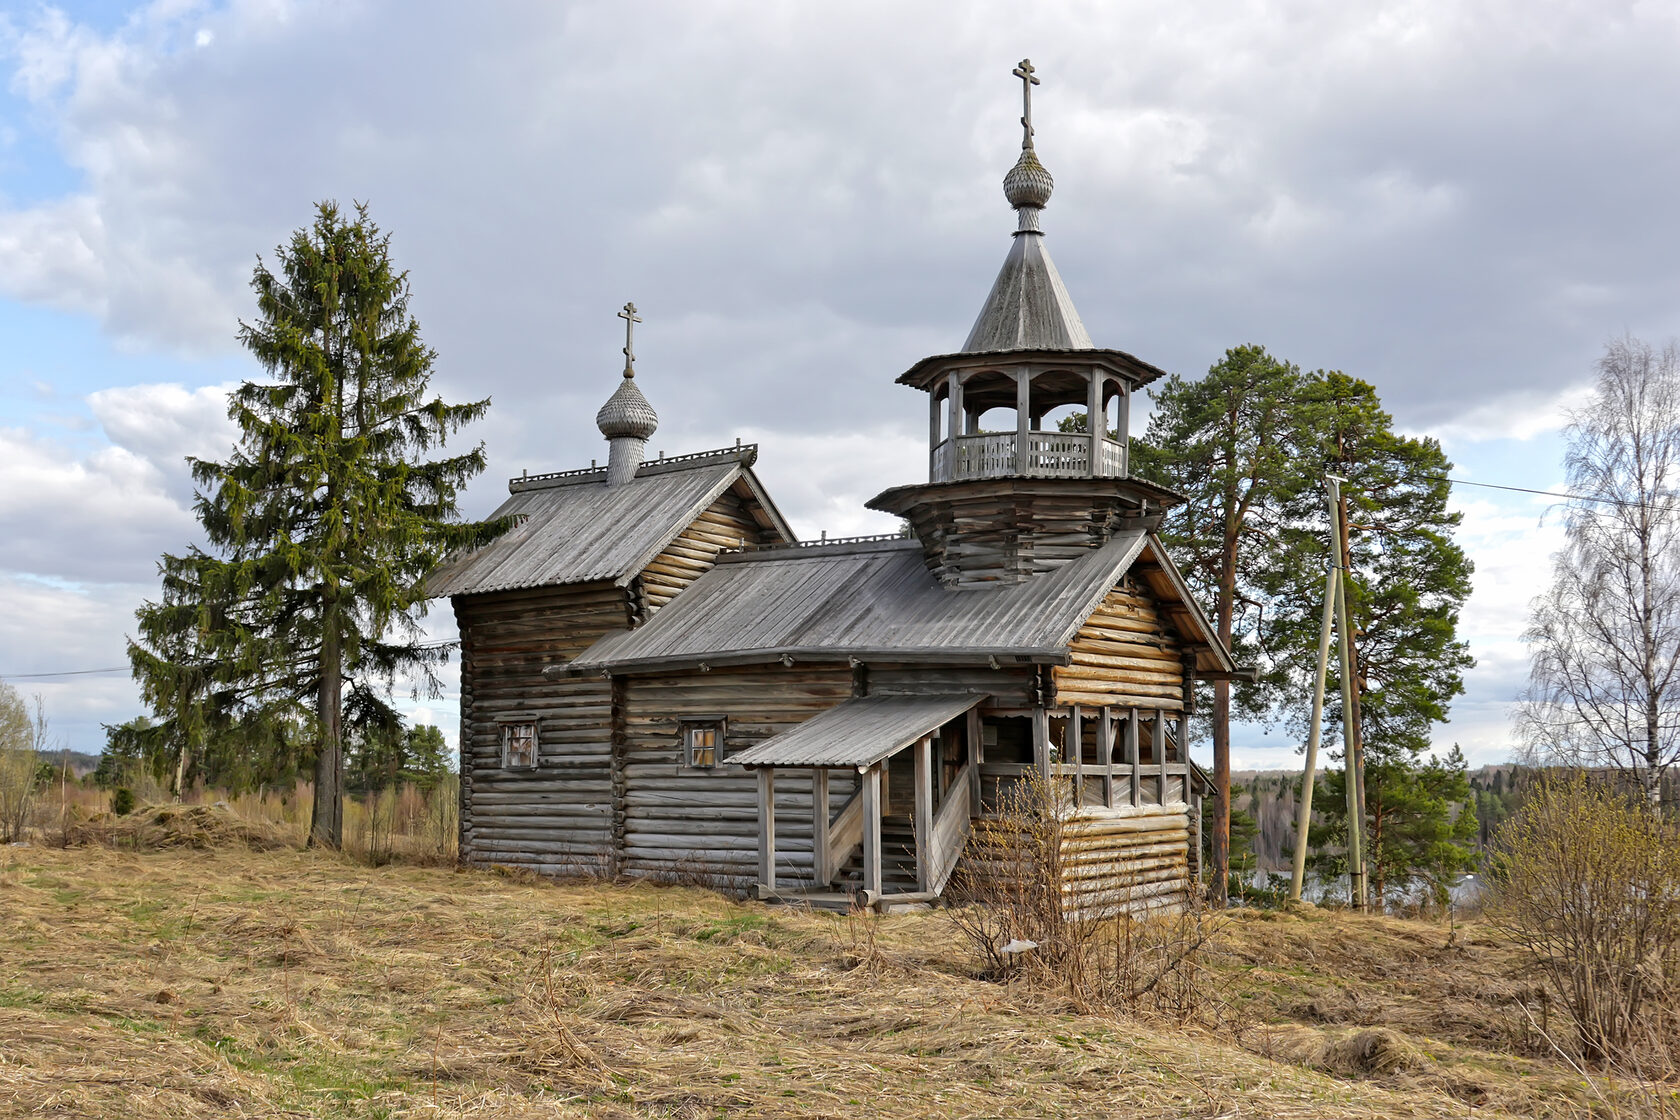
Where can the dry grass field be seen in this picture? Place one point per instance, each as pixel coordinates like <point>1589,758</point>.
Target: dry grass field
<point>227,981</point>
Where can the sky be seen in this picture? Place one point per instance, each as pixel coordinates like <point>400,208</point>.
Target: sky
<point>1459,202</point>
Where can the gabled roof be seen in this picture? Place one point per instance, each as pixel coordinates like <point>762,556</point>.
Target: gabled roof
<point>867,600</point>
<point>1029,307</point>
<point>574,528</point>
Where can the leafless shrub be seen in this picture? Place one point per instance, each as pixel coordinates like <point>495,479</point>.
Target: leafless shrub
<point>1009,894</point>
<point>19,762</point>
<point>1587,881</point>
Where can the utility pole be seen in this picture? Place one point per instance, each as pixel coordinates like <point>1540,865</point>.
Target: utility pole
<point>1353,770</point>
<point>1303,818</point>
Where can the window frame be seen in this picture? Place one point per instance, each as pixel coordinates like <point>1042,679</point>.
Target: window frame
<point>686,729</point>
<point>506,728</point>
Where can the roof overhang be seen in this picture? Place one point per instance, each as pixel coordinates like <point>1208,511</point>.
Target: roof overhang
<point>930,371</point>
<point>999,658</point>
<point>859,732</point>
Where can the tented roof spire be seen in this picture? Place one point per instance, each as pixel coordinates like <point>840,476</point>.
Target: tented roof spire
<point>1029,307</point>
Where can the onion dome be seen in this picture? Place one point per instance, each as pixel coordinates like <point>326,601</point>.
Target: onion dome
<point>1028,184</point>
<point>627,414</point>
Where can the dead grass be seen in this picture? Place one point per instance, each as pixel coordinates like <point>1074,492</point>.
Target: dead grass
<point>215,981</point>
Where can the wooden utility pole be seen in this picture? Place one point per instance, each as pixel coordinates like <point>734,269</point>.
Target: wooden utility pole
<point>1314,727</point>
<point>1353,770</point>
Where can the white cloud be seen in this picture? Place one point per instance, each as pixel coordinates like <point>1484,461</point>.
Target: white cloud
<point>163,424</point>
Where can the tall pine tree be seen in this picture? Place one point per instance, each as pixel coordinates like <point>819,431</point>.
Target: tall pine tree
<point>1230,443</point>
<point>324,521</point>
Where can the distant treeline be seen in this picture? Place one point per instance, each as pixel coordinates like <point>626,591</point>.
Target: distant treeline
<point>1264,807</point>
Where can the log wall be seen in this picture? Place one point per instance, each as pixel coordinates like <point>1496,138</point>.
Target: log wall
<point>701,825</point>
<point>1126,861</point>
<point>1126,655</point>
<point>557,818</point>
<point>726,524</point>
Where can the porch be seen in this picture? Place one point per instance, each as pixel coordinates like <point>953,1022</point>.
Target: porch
<point>927,767</point>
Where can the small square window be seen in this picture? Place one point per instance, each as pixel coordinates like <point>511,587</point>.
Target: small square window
<point>703,743</point>
<point>519,746</point>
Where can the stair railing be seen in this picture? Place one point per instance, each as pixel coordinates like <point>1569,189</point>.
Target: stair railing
<point>845,835</point>
<point>950,830</point>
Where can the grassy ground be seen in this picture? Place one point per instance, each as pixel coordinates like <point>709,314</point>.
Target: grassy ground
<point>226,981</point>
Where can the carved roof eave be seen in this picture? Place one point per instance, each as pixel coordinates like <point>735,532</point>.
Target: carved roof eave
<point>929,372</point>
<point>901,498</point>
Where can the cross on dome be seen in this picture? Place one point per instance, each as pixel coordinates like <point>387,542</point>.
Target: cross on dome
<point>1025,72</point>
<point>630,320</point>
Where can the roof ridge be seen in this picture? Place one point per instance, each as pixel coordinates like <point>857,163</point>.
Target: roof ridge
<point>828,546</point>
<point>743,453</point>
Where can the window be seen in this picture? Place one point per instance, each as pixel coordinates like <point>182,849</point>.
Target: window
<point>519,745</point>
<point>703,743</point>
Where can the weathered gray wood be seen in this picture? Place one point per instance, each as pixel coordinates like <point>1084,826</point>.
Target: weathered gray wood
<point>820,859</point>
<point>1041,743</point>
<point>1132,749</point>
<point>872,830</point>
<point>924,812</point>
<point>1105,747</point>
<point>767,829</point>
<point>976,755</point>
<point>1075,745</point>
<point>1160,747</point>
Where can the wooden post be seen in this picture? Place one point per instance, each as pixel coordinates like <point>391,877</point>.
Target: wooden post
<point>766,831</point>
<point>1095,423</point>
<point>1132,748</point>
<point>1023,421</point>
<point>1075,744</point>
<point>1125,431</point>
<point>924,813</point>
<point>872,831</point>
<point>1041,743</point>
<point>1105,747</point>
<point>1196,827</point>
<point>1159,743</point>
<point>976,755</point>
<point>1303,818</point>
<point>820,856</point>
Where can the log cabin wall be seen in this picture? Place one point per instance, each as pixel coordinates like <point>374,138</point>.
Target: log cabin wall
<point>1130,862</point>
<point>725,524</point>
<point>555,818</point>
<point>1010,686</point>
<point>1126,655</point>
<point>700,824</point>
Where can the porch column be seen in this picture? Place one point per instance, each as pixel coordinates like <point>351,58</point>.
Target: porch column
<point>1095,422</point>
<point>872,831</point>
<point>1023,420</point>
<point>924,812</point>
<point>1125,431</point>
<point>1160,742</point>
<point>1105,747</point>
<point>766,831</point>
<point>1132,756</point>
<point>976,755</point>
<point>1075,746</point>
<point>820,857</point>
<point>1041,743</point>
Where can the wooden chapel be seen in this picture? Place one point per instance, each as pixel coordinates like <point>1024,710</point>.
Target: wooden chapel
<point>658,679</point>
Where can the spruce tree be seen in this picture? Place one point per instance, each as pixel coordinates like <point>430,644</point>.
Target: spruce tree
<point>325,519</point>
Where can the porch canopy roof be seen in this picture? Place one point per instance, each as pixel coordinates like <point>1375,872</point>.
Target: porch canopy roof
<point>859,732</point>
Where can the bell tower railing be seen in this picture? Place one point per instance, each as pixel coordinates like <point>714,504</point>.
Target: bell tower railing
<point>1033,454</point>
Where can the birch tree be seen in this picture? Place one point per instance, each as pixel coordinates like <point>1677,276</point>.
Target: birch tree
<point>1604,685</point>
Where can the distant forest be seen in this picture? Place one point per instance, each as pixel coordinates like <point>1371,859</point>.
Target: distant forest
<point>1264,801</point>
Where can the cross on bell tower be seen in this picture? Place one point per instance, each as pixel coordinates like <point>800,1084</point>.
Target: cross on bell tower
<point>1025,73</point>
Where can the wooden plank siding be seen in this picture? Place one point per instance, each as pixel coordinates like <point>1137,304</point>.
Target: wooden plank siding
<point>701,824</point>
<point>556,818</point>
<point>726,524</point>
<point>1126,655</point>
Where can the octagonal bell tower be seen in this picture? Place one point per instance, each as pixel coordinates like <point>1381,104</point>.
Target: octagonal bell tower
<point>1001,506</point>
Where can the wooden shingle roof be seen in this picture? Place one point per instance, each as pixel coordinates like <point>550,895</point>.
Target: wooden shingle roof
<point>574,528</point>
<point>866,600</point>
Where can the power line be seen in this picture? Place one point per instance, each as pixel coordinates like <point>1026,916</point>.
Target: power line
<point>1552,493</point>
<point>64,673</point>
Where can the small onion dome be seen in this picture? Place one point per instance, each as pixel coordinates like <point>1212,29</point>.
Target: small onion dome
<point>1028,184</point>
<point>627,414</point>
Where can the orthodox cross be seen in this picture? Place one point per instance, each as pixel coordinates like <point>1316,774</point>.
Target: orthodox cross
<point>630,320</point>
<point>1025,73</point>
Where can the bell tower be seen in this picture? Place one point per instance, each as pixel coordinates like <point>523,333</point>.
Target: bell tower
<point>1001,506</point>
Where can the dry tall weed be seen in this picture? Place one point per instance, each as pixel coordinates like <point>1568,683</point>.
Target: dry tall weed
<point>1012,910</point>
